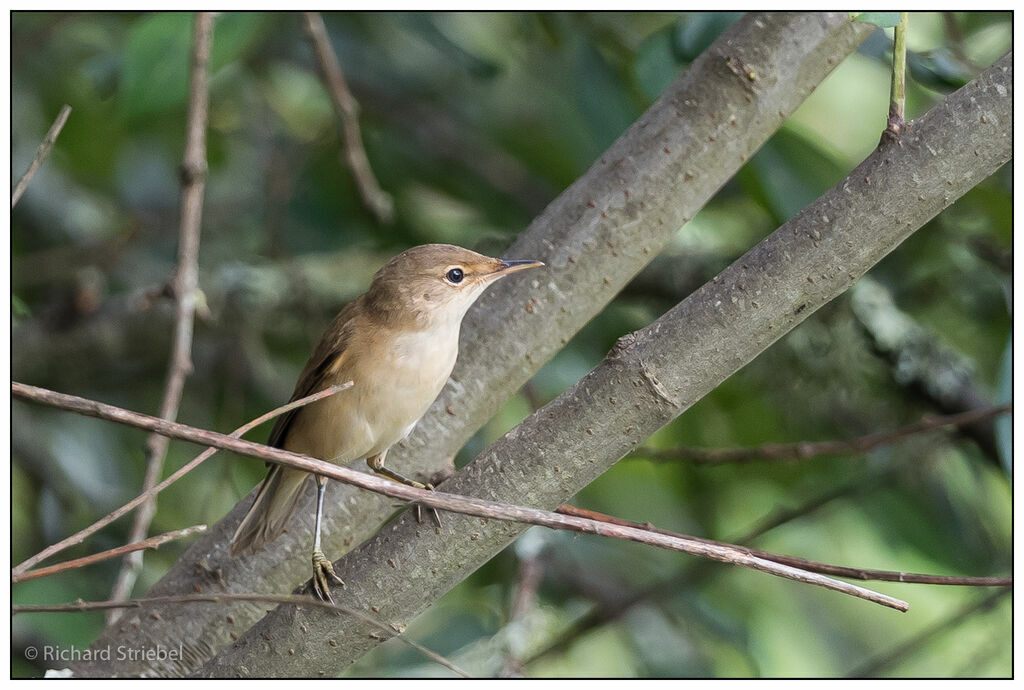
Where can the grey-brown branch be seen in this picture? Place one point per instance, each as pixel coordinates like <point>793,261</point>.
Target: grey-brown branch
<point>654,375</point>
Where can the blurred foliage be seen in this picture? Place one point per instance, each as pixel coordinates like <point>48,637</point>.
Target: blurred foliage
<point>474,122</point>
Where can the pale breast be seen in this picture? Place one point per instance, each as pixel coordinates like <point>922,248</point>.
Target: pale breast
<point>394,387</point>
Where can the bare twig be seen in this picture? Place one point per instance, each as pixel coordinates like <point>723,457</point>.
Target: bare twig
<point>80,536</point>
<point>874,666</point>
<point>805,564</point>
<point>41,153</point>
<point>529,576</point>
<point>811,449</point>
<point>898,91</point>
<point>186,286</point>
<point>285,599</point>
<point>346,109</point>
<point>151,543</point>
<point>436,499</point>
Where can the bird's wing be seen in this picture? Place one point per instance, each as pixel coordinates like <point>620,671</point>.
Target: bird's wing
<point>319,370</point>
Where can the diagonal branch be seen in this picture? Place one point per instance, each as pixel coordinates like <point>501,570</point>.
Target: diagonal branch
<point>151,543</point>
<point>812,449</point>
<point>81,535</point>
<point>346,110</point>
<point>717,551</point>
<point>285,599</point>
<point>594,239</point>
<point>652,376</point>
<point>807,564</point>
<point>186,287</point>
<point>41,153</point>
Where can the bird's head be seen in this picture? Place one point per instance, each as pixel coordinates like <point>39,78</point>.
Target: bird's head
<point>437,283</point>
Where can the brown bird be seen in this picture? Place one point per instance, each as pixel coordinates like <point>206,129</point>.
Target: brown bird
<point>398,343</point>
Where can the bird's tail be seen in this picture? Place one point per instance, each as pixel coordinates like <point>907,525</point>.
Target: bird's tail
<point>278,495</point>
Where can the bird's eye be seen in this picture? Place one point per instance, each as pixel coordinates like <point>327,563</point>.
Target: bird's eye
<point>454,275</point>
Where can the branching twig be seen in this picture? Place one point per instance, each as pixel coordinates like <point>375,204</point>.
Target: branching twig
<point>811,449</point>
<point>151,543</point>
<point>286,599</point>
<point>80,536</point>
<point>346,109</point>
<point>444,501</point>
<point>41,153</point>
<point>805,564</point>
<point>186,285</point>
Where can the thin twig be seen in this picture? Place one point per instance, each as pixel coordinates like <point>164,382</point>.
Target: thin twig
<point>346,109</point>
<point>898,91</point>
<point>874,666</point>
<point>436,499</point>
<point>810,449</point>
<point>41,153</point>
<point>805,564</point>
<point>529,576</point>
<point>81,535</point>
<point>285,599</point>
<point>151,543</point>
<point>186,287</point>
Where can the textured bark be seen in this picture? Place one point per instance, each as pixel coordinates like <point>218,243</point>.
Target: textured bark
<point>650,377</point>
<point>594,238</point>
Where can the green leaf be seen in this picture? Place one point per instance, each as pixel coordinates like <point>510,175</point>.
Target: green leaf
<point>885,20</point>
<point>157,54</point>
<point>155,67</point>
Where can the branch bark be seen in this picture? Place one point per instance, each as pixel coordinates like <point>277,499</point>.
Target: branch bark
<point>652,376</point>
<point>594,238</point>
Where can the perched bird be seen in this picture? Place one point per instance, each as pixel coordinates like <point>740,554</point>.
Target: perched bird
<point>397,343</point>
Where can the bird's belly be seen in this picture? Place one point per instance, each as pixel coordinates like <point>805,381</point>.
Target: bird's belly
<point>392,390</point>
<point>409,379</point>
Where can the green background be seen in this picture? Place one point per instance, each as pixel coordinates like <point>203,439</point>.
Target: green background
<point>473,123</point>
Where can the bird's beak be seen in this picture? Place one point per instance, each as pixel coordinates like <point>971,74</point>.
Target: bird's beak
<point>506,266</point>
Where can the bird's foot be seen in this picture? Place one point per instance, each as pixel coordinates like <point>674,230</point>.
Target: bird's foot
<point>323,573</point>
<point>433,511</point>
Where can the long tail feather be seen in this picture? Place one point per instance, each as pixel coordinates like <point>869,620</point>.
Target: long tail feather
<point>270,512</point>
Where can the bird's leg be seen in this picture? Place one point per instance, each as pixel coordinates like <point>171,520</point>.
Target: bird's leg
<point>323,571</point>
<point>376,463</point>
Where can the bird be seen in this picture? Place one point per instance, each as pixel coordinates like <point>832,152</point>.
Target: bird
<point>398,343</point>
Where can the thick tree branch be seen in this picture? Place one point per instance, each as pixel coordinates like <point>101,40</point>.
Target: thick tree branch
<point>652,376</point>
<point>186,287</point>
<point>298,600</point>
<point>594,238</point>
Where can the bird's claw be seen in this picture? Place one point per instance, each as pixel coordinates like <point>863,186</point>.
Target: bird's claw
<point>433,511</point>
<point>323,573</point>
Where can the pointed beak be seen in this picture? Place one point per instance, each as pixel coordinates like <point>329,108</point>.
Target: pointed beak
<point>515,265</point>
